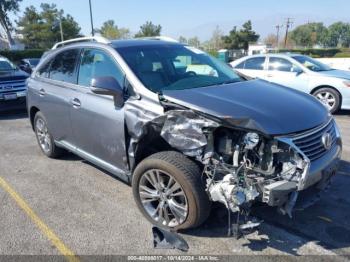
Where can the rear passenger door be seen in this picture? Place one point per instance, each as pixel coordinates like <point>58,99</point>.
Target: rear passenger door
<point>98,125</point>
<point>252,67</point>
<point>55,90</point>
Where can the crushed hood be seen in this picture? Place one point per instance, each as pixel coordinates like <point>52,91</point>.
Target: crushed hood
<point>256,105</point>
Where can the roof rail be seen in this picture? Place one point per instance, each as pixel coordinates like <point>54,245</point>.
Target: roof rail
<point>98,39</point>
<point>162,38</point>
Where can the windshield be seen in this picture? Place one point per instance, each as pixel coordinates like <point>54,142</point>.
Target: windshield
<point>6,65</point>
<point>174,67</point>
<point>311,63</point>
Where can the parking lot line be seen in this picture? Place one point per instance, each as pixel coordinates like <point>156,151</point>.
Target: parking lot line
<point>62,248</point>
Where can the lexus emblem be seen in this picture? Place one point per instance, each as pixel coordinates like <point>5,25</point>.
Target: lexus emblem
<point>327,140</point>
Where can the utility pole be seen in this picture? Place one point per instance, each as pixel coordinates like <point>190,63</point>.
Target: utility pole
<point>62,39</point>
<point>278,27</point>
<point>92,23</point>
<point>288,24</point>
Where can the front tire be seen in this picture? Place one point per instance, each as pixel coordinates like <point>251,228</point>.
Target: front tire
<point>44,138</point>
<point>169,191</point>
<point>329,97</point>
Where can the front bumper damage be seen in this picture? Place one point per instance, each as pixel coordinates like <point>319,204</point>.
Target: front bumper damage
<point>241,166</point>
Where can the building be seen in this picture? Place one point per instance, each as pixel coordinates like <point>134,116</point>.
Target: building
<point>259,49</point>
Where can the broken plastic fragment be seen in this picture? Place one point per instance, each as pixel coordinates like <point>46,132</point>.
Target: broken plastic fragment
<point>163,239</point>
<point>183,131</point>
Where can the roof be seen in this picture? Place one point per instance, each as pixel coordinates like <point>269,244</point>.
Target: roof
<point>141,42</point>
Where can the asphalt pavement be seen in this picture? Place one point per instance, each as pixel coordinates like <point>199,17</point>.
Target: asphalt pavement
<point>90,212</point>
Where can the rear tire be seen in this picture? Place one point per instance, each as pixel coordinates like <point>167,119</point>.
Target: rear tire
<point>44,138</point>
<point>164,167</point>
<point>329,97</point>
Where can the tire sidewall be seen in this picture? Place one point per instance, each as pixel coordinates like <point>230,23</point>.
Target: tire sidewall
<point>149,164</point>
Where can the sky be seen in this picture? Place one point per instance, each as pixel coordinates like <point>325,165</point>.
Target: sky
<point>200,17</point>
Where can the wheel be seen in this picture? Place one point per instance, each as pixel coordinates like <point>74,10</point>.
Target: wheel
<point>169,191</point>
<point>328,97</point>
<point>45,140</point>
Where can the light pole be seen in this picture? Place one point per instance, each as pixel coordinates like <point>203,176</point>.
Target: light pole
<point>92,23</point>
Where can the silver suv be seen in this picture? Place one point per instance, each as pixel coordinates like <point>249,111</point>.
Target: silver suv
<point>181,127</point>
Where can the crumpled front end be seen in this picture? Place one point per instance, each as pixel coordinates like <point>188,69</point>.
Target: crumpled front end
<point>241,165</point>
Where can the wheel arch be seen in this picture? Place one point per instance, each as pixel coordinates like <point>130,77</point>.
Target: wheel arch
<point>32,112</point>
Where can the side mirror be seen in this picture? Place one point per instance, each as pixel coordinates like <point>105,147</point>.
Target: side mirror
<point>298,71</point>
<point>108,85</point>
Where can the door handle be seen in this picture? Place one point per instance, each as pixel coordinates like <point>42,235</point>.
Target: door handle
<point>269,75</point>
<point>42,92</point>
<point>76,102</point>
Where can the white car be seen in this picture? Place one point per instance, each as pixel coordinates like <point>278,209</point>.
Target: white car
<point>330,86</point>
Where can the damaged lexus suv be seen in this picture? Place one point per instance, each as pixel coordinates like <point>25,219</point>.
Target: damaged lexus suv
<point>183,128</point>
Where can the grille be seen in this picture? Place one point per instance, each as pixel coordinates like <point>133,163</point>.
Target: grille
<point>311,143</point>
<point>12,86</point>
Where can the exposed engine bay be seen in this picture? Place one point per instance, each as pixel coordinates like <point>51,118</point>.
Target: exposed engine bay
<point>240,166</point>
<point>246,166</point>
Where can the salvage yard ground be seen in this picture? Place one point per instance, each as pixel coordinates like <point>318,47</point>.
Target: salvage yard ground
<point>59,206</point>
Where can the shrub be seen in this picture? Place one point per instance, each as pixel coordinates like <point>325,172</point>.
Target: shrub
<point>342,55</point>
<point>16,55</point>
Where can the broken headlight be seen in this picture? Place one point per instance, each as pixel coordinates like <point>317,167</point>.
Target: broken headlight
<point>251,140</point>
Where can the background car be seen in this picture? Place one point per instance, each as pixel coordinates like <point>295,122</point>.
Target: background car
<point>330,86</point>
<point>13,88</point>
<point>28,64</point>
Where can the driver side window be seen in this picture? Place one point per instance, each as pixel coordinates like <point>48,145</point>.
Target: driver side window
<point>97,63</point>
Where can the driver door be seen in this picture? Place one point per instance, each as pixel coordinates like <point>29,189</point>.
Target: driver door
<point>98,125</point>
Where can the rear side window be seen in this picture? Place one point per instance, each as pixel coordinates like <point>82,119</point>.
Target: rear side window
<point>256,63</point>
<point>280,64</point>
<point>63,67</point>
<point>97,63</point>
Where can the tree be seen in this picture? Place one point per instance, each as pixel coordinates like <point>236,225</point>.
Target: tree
<point>111,31</point>
<point>194,41</point>
<point>7,7</point>
<point>240,39</point>
<point>271,40</point>
<point>216,42</point>
<point>182,40</point>
<point>42,29</point>
<point>338,35</point>
<point>309,34</point>
<point>149,29</point>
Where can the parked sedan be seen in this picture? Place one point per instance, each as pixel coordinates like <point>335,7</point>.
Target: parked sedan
<point>330,86</point>
<point>28,64</point>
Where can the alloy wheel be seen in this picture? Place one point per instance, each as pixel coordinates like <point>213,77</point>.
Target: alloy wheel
<point>327,99</point>
<point>163,198</point>
<point>43,135</point>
